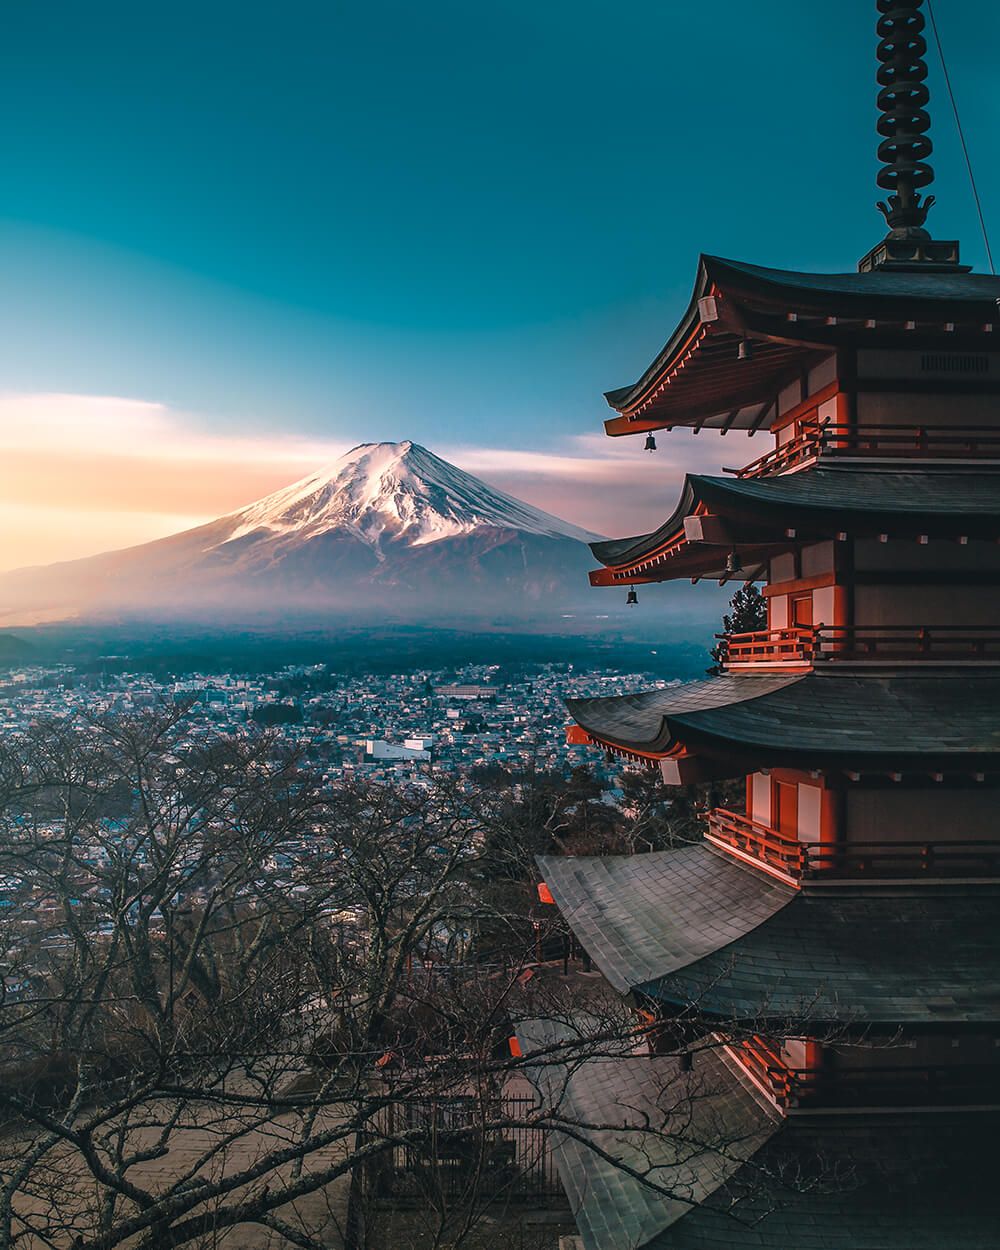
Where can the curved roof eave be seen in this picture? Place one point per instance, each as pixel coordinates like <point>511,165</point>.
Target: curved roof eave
<point>892,294</point>
<point>640,722</point>
<point>963,502</point>
<point>845,720</point>
<point>612,552</point>
<point>641,917</point>
<point>918,721</point>
<point>624,395</point>
<point>927,957</point>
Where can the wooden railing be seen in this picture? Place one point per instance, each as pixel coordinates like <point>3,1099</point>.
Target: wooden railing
<point>760,841</point>
<point>888,644</point>
<point>894,442</point>
<point>973,857</point>
<point>768,646</point>
<point>874,1086</point>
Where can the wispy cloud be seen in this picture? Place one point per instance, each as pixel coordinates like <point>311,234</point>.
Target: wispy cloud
<point>81,473</point>
<point>609,485</point>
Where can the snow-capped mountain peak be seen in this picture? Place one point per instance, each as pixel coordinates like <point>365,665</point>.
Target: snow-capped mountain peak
<point>388,525</point>
<point>393,492</point>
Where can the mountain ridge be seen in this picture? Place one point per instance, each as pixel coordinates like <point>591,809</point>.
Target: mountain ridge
<point>387,523</point>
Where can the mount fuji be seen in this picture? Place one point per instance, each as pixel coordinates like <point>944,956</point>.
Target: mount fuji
<point>388,525</point>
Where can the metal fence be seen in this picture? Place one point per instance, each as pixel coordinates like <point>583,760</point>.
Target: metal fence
<point>446,1159</point>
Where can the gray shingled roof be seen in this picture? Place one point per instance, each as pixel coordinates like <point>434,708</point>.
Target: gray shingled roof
<point>829,499</point>
<point>737,1176</point>
<point>643,916</point>
<point>640,718</point>
<point>882,293</point>
<point>879,284</point>
<point>897,1182</point>
<point>930,956</point>
<point>692,925</point>
<point>684,1132</point>
<point>954,720</point>
<point>929,492</point>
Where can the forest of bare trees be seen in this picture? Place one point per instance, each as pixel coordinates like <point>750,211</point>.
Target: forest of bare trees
<point>240,1001</point>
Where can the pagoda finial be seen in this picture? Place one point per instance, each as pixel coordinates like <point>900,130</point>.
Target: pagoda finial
<point>905,145</point>
<point>904,122</point>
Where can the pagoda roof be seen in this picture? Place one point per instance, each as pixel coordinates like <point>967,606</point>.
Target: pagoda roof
<point>931,957</point>
<point>692,926</point>
<point>686,1132</point>
<point>892,1182</point>
<point>662,1159</point>
<point>812,719</point>
<point>752,515</point>
<point>943,286</point>
<point>794,320</point>
<point>642,916</point>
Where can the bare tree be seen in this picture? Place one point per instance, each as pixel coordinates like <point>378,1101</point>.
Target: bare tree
<point>237,996</point>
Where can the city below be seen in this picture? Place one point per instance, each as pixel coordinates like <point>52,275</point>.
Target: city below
<point>394,728</point>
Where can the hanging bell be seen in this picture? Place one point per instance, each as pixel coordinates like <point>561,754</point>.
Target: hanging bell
<point>732,565</point>
<point>650,443</point>
<point>746,350</point>
<point>631,597</point>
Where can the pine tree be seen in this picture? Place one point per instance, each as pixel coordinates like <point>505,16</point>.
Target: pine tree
<point>747,613</point>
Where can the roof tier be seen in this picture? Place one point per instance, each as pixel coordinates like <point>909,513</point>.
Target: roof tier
<point>813,720</point>
<point>685,1132</point>
<point>793,320</point>
<point>894,1182</point>
<point>754,518</point>
<point>659,1158</point>
<point>689,926</point>
<point>642,916</point>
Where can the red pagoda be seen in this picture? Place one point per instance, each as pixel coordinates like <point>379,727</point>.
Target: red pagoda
<point>832,951</point>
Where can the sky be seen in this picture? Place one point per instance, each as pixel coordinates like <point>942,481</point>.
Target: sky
<point>238,239</point>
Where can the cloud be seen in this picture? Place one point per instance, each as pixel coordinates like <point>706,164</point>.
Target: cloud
<point>106,472</point>
<point>81,474</point>
<point>609,485</point>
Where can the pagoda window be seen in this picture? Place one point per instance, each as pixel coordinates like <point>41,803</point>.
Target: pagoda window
<point>802,611</point>
<point>759,798</point>
<point>777,612</point>
<point>810,811</point>
<point>785,809</point>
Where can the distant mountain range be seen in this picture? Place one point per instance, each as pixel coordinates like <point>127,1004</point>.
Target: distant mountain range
<point>388,526</point>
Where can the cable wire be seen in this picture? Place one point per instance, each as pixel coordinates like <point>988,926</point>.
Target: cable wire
<point>961,136</point>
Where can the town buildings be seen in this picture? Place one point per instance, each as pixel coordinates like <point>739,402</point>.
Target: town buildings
<point>418,724</point>
<point>827,960</point>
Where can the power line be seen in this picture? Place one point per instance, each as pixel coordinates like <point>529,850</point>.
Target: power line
<point>961,136</point>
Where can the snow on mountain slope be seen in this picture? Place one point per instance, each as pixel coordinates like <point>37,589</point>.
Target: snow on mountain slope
<point>397,491</point>
<point>388,524</point>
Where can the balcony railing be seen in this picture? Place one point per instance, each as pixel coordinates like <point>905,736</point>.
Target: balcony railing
<point>882,442</point>
<point>875,861</point>
<point>759,841</point>
<point>874,1086</point>
<point>859,644</point>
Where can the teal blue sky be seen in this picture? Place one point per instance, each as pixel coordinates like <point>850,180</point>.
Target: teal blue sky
<point>450,222</point>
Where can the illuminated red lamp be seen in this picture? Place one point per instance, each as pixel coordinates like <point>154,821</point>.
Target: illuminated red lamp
<point>515,1048</point>
<point>544,893</point>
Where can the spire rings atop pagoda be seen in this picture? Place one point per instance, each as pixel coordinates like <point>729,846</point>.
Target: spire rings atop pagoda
<point>904,122</point>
